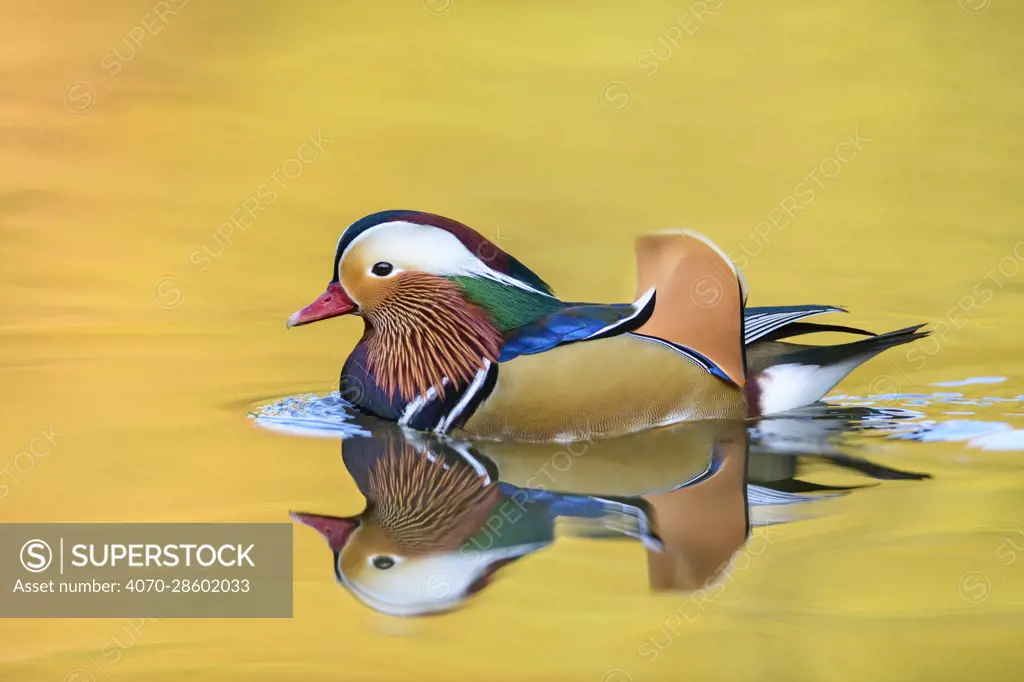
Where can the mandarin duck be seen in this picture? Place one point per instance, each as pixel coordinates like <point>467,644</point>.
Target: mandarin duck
<point>461,338</point>
<point>437,527</point>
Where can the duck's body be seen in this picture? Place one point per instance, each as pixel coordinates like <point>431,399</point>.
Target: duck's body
<point>575,392</point>
<point>461,338</point>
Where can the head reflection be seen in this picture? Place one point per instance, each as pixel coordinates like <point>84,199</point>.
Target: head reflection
<point>424,541</point>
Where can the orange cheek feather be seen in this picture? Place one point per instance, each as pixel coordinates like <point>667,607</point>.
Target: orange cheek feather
<point>367,291</point>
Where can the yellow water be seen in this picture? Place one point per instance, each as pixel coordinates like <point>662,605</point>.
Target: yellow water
<point>551,128</point>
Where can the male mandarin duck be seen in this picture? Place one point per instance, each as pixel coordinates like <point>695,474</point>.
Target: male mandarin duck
<point>461,338</point>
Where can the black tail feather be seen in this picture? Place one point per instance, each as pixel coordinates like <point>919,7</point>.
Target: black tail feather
<point>801,328</point>
<point>869,347</point>
<point>788,375</point>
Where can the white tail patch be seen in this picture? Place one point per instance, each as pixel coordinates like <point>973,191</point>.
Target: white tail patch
<point>787,387</point>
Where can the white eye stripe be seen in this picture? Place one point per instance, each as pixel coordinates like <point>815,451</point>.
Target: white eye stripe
<point>427,249</point>
<point>356,241</point>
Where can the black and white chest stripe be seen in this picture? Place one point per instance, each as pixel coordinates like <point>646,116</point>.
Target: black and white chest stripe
<point>444,413</point>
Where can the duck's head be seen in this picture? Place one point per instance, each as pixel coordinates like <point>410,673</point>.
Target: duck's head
<point>380,253</point>
<point>410,553</point>
<point>406,271</point>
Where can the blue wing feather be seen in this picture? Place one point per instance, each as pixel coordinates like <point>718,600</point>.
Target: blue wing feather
<point>576,322</point>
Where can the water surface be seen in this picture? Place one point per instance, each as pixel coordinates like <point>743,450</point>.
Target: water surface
<point>168,201</point>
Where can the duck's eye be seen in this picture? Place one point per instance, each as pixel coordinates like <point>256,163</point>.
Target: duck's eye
<point>382,269</point>
<point>383,562</point>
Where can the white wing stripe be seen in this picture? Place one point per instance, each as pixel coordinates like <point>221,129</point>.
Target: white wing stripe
<point>638,308</point>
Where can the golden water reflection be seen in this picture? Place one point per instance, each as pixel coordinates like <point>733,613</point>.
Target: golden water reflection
<point>147,271</point>
<point>443,516</point>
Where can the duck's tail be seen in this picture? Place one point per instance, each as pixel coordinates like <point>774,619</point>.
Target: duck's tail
<point>784,376</point>
<point>699,297</point>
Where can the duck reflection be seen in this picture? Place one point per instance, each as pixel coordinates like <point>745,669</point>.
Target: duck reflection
<point>443,517</point>
<point>438,524</point>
